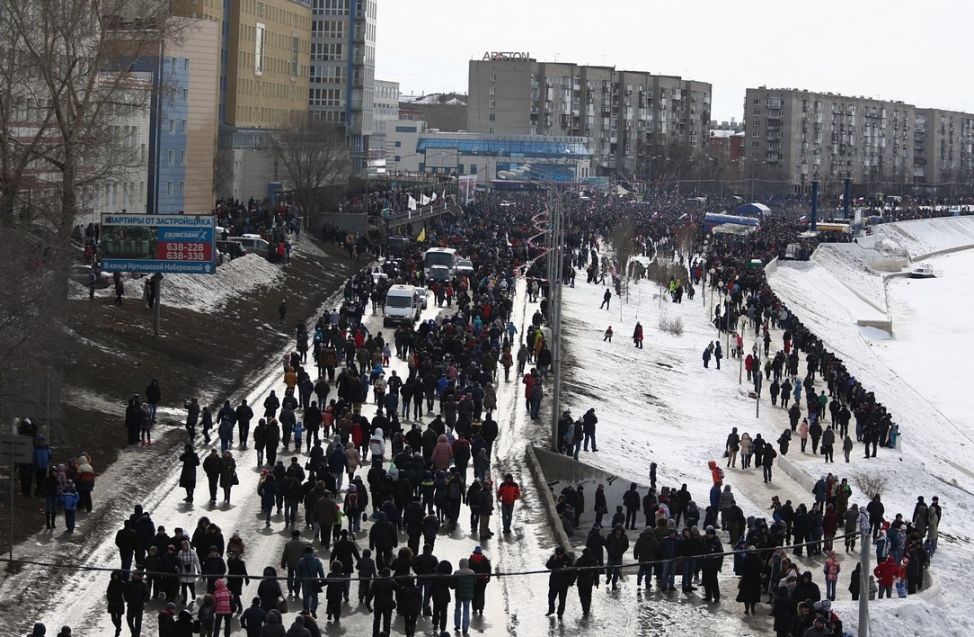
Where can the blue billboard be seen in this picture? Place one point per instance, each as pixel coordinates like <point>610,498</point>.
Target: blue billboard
<point>171,244</point>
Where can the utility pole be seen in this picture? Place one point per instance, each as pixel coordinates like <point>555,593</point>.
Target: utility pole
<point>554,305</point>
<point>865,537</point>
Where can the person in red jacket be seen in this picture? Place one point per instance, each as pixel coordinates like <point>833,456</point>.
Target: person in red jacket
<point>223,607</point>
<point>508,493</point>
<point>886,574</point>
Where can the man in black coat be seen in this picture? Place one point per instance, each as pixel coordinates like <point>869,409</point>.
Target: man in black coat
<point>630,499</point>
<point>136,595</point>
<point>560,580</point>
<point>585,578</point>
<point>712,563</point>
<point>383,538</point>
<point>244,415</point>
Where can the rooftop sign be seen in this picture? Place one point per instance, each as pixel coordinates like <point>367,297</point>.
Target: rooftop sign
<point>506,55</point>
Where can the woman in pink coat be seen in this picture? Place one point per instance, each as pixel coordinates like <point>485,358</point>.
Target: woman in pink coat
<point>223,607</point>
<point>442,453</point>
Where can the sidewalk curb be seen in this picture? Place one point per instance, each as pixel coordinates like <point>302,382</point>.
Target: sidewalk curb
<point>547,499</point>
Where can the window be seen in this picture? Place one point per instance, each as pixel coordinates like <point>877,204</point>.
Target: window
<point>172,127</point>
<point>168,187</point>
<point>295,51</point>
<point>491,117</point>
<point>473,169</point>
<point>182,158</point>
<point>185,64</point>
<point>398,144</point>
<point>259,49</point>
<point>397,159</point>
<point>172,157</point>
<point>181,186</point>
<point>493,91</point>
<point>405,129</point>
<point>493,104</point>
<point>185,95</point>
<point>182,126</point>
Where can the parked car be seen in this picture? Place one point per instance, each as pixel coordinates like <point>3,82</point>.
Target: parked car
<point>79,274</point>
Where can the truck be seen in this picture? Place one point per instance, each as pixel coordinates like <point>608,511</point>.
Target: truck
<point>403,304</point>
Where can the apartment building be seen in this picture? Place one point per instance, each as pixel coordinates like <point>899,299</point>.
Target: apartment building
<point>629,117</point>
<point>794,137</point>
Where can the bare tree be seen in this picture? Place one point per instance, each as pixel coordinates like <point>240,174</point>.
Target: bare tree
<point>870,484</point>
<point>312,154</point>
<point>67,84</point>
<point>624,245</point>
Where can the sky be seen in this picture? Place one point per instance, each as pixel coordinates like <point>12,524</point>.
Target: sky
<point>916,52</point>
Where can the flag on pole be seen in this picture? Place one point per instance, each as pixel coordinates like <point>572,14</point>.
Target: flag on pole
<point>422,236</point>
<point>434,196</point>
<point>424,200</point>
<point>412,203</point>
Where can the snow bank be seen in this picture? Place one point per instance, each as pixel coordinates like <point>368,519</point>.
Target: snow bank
<point>923,238</point>
<point>209,293</point>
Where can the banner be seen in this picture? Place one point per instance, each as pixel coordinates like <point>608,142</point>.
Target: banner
<point>424,200</point>
<point>183,244</point>
<point>422,236</point>
<point>412,203</point>
<point>466,188</point>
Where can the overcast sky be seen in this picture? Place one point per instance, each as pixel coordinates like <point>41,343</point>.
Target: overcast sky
<point>917,51</point>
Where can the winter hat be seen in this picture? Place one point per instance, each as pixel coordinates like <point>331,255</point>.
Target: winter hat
<point>171,606</point>
<point>478,550</point>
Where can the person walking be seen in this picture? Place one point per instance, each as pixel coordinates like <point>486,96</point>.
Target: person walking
<point>187,477</point>
<point>586,577</point>
<point>116,600</point>
<point>605,299</point>
<point>508,493</point>
<point>309,571</point>
<point>464,582</point>
<point>559,581</point>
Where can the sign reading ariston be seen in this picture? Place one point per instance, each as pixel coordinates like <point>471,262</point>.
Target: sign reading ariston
<point>506,55</point>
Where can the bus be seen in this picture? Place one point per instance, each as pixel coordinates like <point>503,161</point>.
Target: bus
<point>439,263</point>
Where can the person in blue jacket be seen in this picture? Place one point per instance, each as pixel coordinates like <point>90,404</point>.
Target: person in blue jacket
<point>69,500</point>
<point>43,455</point>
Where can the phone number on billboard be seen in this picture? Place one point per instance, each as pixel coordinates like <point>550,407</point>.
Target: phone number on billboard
<point>186,252</point>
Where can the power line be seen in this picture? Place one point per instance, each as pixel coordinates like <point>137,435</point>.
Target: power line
<point>630,565</point>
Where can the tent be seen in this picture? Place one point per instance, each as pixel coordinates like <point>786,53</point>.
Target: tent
<point>753,209</point>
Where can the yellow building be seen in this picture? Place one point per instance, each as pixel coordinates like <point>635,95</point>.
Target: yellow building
<point>265,50</point>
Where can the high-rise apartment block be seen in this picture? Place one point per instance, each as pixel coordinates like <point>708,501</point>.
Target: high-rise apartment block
<point>630,117</point>
<point>794,137</point>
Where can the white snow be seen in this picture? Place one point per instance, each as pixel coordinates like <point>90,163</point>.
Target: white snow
<point>209,293</point>
<point>925,237</point>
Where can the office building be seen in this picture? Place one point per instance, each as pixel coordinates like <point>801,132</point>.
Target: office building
<point>415,149</point>
<point>385,108</point>
<point>794,137</point>
<point>628,117</point>
<point>342,73</point>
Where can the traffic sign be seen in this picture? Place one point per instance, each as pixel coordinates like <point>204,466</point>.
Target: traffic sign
<point>16,448</point>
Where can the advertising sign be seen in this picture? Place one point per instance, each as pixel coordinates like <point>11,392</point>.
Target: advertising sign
<point>178,244</point>
<point>467,185</point>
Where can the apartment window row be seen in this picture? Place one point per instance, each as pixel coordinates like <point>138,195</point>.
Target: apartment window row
<point>328,116</point>
<point>328,28</point>
<point>326,73</point>
<point>175,125</point>
<point>330,7</point>
<point>325,97</point>
<point>326,51</point>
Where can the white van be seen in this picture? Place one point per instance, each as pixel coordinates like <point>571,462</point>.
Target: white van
<point>403,304</point>
<point>253,244</point>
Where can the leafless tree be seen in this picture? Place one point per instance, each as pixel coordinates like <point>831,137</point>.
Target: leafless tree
<point>67,84</point>
<point>312,154</point>
<point>870,484</point>
<point>624,245</point>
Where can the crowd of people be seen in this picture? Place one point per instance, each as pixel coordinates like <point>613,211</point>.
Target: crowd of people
<point>432,426</point>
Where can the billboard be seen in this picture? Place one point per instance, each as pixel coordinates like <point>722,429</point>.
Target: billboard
<point>467,186</point>
<point>177,244</point>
